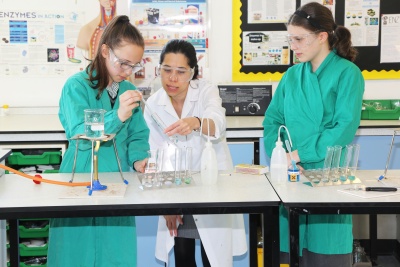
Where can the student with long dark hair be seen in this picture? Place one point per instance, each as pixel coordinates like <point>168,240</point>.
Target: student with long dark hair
<point>319,101</point>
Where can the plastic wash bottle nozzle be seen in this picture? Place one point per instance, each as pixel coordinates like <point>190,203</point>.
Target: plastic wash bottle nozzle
<point>279,164</point>
<point>209,167</point>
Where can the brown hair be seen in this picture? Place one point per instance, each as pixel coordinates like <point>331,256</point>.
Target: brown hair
<point>318,18</point>
<point>118,30</point>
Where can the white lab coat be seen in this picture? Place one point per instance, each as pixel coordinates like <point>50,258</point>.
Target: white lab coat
<point>223,236</point>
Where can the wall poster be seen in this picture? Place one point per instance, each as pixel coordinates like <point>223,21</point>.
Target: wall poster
<point>162,20</point>
<point>390,51</point>
<point>40,43</point>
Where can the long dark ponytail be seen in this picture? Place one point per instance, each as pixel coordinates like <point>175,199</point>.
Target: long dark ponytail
<point>318,18</point>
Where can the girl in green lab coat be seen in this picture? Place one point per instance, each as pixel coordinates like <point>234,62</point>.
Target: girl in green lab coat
<point>319,100</point>
<point>103,241</point>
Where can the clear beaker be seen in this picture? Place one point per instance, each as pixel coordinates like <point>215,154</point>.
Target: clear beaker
<point>327,164</point>
<point>177,170</point>
<point>188,165</point>
<point>94,122</point>
<point>335,175</point>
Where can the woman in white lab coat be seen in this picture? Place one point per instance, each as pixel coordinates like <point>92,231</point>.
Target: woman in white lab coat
<point>183,104</point>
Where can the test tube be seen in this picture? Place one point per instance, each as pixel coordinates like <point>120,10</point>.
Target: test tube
<point>335,175</point>
<point>327,164</point>
<point>160,123</point>
<point>158,179</point>
<point>353,162</point>
<point>178,161</point>
<point>344,166</point>
<point>188,165</point>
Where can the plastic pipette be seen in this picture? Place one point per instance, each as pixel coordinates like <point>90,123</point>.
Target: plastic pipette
<point>289,149</point>
<point>160,123</point>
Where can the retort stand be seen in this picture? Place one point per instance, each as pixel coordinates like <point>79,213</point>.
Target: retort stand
<point>95,184</point>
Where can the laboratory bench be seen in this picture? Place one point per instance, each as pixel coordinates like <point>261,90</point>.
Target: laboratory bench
<point>234,193</point>
<point>245,140</point>
<point>299,198</point>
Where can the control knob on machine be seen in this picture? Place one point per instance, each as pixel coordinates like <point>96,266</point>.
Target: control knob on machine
<point>253,108</point>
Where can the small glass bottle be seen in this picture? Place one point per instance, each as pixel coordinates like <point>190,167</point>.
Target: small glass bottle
<point>359,255</point>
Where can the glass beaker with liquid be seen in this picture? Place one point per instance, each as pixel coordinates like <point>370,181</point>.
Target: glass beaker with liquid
<point>94,123</point>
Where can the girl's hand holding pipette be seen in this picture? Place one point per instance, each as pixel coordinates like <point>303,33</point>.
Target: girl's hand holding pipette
<point>127,102</point>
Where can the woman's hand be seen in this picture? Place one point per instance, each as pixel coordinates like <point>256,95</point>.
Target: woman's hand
<point>127,102</point>
<point>171,223</point>
<point>183,127</point>
<point>140,165</point>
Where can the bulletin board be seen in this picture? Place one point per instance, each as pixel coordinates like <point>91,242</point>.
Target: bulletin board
<point>368,59</point>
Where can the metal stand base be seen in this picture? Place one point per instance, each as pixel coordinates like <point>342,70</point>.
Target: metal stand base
<point>96,186</point>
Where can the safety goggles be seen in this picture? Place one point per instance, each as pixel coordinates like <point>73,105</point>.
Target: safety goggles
<point>175,74</point>
<point>123,64</point>
<point>300,40</point>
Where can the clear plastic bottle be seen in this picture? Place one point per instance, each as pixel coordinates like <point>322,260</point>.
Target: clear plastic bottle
<point>279,166</point>
<point>209,168</point>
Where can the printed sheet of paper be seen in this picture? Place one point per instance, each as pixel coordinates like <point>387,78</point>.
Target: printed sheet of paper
<point>362,19</point>
<point>367,194</point>
<point>390,38</point>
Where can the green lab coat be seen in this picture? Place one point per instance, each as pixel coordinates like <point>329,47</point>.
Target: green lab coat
<point>100,241</point>
<point>320,109</point>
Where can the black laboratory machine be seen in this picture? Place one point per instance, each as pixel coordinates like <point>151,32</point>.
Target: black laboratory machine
<point>245,100</point>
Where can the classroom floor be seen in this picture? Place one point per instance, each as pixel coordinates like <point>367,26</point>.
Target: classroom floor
<point>387,261</point>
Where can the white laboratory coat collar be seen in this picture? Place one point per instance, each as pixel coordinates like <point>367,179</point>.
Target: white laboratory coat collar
<point>191,97</point>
